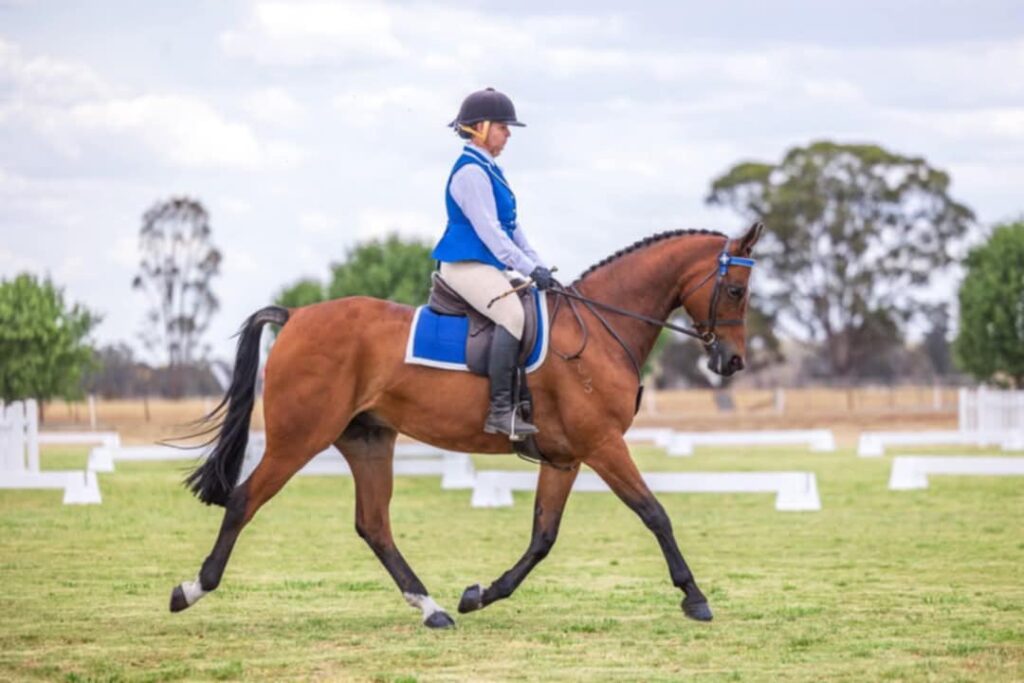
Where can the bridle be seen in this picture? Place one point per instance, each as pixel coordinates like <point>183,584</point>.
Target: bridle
<point>703,330</point>
<point>725,259</point>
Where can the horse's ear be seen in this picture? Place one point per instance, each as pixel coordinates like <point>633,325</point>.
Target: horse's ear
<point>751,237</point>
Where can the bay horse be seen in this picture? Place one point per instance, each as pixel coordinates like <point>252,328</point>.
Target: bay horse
<point>336,375</point>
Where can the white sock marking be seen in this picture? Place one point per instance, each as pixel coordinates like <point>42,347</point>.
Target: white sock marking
<point>422,602</point>
<point>193,590</point>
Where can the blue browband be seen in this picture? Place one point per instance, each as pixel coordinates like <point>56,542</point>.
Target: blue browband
<point>725,260</point>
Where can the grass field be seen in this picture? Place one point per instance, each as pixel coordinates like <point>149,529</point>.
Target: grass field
<point>921,585</point>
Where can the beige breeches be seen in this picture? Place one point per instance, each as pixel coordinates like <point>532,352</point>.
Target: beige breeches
<point>478,283</point>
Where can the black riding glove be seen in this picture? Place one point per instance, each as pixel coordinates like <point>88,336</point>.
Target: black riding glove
<point>542,278</point>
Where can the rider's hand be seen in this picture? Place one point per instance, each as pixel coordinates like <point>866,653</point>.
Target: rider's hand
<point>542,278</point>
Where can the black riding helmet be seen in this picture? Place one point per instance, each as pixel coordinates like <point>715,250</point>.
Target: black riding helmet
<point>486,105</point>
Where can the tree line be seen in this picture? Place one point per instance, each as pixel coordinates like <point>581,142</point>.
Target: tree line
<point>856,233</point>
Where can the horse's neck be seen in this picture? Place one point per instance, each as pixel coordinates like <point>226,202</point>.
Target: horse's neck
<point>647,282</point>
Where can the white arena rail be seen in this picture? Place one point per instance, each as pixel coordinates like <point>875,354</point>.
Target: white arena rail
<point>873,444</point>
<point>659,436</point>
<point>411,459</point>
<point>795,491</point>
<point>818,440</point>
<point>80,487</point>
<point>455,469</point>
<point>102,459</point>
<point>911,472</point>
<point>19,458</point>
<point>106,439</point>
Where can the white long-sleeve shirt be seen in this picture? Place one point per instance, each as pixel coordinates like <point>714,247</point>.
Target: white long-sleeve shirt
<point>471,189</point>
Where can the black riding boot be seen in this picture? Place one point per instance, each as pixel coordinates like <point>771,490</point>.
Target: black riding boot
<point>501,368</point>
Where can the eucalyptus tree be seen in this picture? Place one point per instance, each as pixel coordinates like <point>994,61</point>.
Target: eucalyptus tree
<point>854,232</point>
<point>177,266</point>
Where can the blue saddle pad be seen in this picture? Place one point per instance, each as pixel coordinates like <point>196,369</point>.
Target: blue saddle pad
<point>439,341</point>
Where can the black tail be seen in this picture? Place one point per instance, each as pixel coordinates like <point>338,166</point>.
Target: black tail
<point>213,481</point>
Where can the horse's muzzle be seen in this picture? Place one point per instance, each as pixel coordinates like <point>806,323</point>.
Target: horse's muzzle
<point>722,361</point>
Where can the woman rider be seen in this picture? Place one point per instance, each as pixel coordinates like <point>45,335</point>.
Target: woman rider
<point>483,240</point>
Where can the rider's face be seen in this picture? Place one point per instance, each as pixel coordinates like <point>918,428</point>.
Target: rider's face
<point>497,135</point>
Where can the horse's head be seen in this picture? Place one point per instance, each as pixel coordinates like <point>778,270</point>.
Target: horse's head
<point>717,301</point>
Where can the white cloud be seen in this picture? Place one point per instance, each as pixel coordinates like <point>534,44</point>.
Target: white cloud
<point>183,130</point>
<point>75,114</point>
<point>379,222</point>
<point>12,263</point>
<point>314,32</point>
<point>274,106</point>
<point>315,222</point>
<point>241,262</point>
<point>42,79</point>
<point>371,106</point>
<point>125,252</point>
<point>235,206</point>
<point>433,36</point>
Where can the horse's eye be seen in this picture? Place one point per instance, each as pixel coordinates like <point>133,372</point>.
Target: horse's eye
<point>736,291</point>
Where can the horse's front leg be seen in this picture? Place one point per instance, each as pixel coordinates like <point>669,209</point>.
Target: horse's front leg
<point>616,467</point>
<point>553,489</point>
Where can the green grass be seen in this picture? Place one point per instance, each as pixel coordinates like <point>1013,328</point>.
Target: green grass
<point>914,585</point>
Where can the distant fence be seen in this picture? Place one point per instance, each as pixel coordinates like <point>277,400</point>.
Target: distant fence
<point>990,410</point>
<point>986,417</point>
<point>801,401</point>
<point>798,402</point>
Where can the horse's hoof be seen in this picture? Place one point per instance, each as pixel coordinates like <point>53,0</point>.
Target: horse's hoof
<point>472,599</point>
<point>699,611</point>
<point>178,601</point>
<point>439,620</point>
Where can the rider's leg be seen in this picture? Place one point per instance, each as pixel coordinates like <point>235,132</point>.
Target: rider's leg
<point>479,284</point>
<point>502,367</point>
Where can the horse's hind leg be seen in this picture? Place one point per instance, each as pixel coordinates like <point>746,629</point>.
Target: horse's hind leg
<point>370,454</point>
<point>553,488</point>
<point>266,480</point>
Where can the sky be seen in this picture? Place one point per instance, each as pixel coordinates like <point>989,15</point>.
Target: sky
<point>306,127</point>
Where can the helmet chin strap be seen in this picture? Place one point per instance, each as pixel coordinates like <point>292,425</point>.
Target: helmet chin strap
<point>480,135</point>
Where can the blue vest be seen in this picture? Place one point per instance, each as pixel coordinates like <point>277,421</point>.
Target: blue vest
<point>460,241</point>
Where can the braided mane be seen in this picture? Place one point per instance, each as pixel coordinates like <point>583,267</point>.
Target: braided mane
<point>647,241</point>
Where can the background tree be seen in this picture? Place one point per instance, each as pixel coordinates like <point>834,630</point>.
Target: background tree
<point>178,264</point>
<point>119,374</point>
<point>392,268</point>
<point>935,344</point>
<point>44,346</point>
<point>990,345</point>
<point>302,293</point>
<point>852,231</point>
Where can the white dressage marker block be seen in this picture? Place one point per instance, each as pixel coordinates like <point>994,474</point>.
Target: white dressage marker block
<point>795,491</point>
<point>911,472</point>
<point>659,436</point>
<point>873,444</point>
<point>455,469</point>
<point>19,458</point>
<point>106,439</point>
<point>102,459</point>
<point>79,487</point>
<point>819,440</point>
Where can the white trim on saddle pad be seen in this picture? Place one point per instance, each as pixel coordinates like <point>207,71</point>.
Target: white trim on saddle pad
<point>544,328</point>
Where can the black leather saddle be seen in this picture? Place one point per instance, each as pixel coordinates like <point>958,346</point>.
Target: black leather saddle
<point>446,301</point>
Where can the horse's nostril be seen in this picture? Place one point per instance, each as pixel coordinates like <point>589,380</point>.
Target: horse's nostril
<point>736,363</point>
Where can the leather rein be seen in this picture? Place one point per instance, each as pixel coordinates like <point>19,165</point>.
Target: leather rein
<point>707,337</point>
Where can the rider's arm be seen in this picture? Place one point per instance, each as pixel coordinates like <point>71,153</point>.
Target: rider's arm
<point>519,237</point>
<point>471,189</point>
